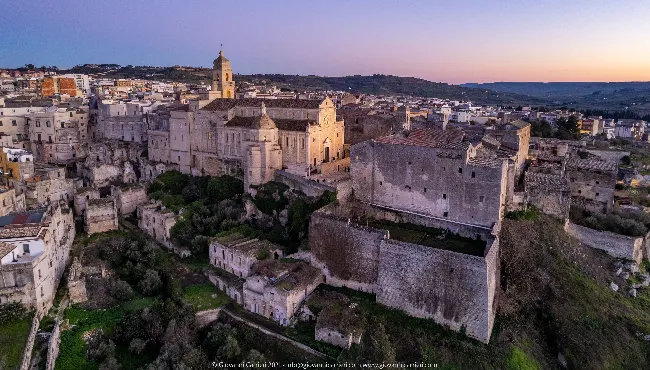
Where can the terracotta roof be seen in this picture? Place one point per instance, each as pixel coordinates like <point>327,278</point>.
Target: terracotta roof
<point>590,165</point>
<point>20,231</point>
<point>485,162</point>
<point>281,124</point>
<point>224,104</point>
<point>546,181</point>
<point>434,138</point>
<point>5,248</point>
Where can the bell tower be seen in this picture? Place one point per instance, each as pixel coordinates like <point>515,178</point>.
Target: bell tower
<point>223,84</point>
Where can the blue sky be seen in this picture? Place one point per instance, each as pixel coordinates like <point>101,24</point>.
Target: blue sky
<point>450,41</point>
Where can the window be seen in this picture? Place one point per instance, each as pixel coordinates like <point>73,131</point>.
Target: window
<point>445,214</point>
<point>481,199</point>
<point>473,174</point>
<point>597,194</point>
<point>460,169</point>
<point>579,191</point>
<point>381,183</point>
<point>14,123</point>
<point>444,196</point>
<point>0,123</point>
<point>597,182</point>
<point>38,123</point>
<point>47,124</point>
<point>62,125</point>
<point>26,248</point>
<point>425,190</point>
<point>39,273</point>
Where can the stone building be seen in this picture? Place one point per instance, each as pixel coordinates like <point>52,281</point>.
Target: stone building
<point>14,128</point>
<point>339,322</point>
<point>58,134</point>
<point>100,215</point>
<point>129,197</point>
<point>236,253</point>
<point>227,136</point>
<point>223,83</point>
<point>10,202</point>
<point>34,250</point>
<point>549,193</point>
<point>592,183</point>
<point>48,185</point>
<point>82,197</point>
<point>435,173</point>
<point>365,124</point>
<point>157,221</point>
<point>277,288</point>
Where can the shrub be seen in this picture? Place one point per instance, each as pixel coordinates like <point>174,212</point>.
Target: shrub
<point>224,187</point>
<point>150,283</point>
<point>120,289</point>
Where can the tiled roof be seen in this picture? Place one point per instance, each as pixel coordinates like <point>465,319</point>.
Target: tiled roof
<point>226,104</point>
<point>485,162</point>
<point>5,248</point>
<point>546,181</point>
<point>281,124</point>
<point>20,231</point>
<point>434,138</point>
<point>590,165</point>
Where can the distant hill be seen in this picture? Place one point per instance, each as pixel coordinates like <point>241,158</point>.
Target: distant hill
<point>394,85</point>
<point>586,95</point>
<point>375,84</point>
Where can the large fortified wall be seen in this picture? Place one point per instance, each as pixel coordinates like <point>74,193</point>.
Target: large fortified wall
<point>453,289</point>
<point>346,253</point>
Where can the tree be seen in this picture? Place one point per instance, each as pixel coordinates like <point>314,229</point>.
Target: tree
<point>230,350</point>
<point>255,357</point>
<point>150,283</point>
<point>568,129</point>
<point>375,344</point>
<point>224,187</point>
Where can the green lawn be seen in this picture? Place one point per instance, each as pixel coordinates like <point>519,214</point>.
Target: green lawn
<point>13,337</point>
<point>201,296</point>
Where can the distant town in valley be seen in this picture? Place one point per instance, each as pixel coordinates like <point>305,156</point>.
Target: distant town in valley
<point>178,217</point>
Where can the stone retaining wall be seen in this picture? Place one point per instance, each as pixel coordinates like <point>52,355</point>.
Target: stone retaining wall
<point>616,245</point>
<point>27,353</point>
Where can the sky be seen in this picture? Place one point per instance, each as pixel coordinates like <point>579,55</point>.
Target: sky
<point>448,41</point>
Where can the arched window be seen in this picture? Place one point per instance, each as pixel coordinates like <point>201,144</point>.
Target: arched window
<point>228,94</point>
<point>227,77</point>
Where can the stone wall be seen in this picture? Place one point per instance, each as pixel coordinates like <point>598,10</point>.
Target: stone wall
<point>346,253</point>
<point>229,284</point>
<point>101,216</point>
<point>207,317</point>
<point>27,353</point>
<point>53,346</point>
<point>453,289</point>
<point>309,187</point>
<point>616,245</point>
<point>128,198</point>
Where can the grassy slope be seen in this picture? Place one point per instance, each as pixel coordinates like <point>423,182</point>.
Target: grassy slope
<point>13,337</point>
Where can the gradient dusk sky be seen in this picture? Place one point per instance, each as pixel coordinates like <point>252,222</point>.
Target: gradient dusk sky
<point>450,41</point>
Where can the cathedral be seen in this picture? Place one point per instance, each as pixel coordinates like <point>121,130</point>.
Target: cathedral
<point>248,137</point>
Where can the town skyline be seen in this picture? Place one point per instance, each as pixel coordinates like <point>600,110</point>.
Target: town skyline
<point>545,41</point>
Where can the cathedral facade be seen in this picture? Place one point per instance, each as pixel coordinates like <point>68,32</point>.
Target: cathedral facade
<point>248,137</point>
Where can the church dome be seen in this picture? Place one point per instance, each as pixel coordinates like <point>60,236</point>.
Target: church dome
<point>263,122</point>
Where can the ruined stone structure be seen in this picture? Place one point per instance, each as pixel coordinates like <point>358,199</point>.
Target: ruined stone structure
<point>592,183</point>
<point>549,193</point>
<point>156,221</point>
<point>34,249</point>
<point>276,288</point>
<point>616,245</point>
<point>100,215</point>
<point>82,197</point>
<point>10,202</point>
<point>236,253</point>
<point>48,185</point>
<point>129,197</point>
